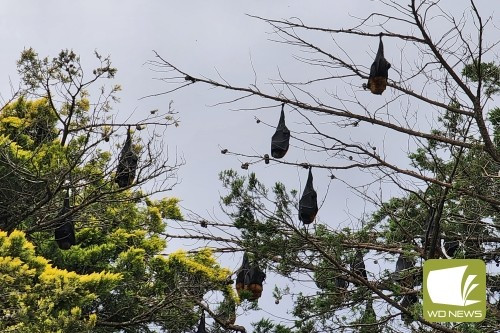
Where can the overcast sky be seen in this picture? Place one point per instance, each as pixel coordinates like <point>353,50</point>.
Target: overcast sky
<point>202,37</point>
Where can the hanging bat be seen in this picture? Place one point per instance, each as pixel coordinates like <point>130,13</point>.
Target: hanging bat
<point>201,325</point>
<point>407,280</point>
<point>358,266</point>
<point>281,138</point>
<point>257,277</point>
<point>308,203</point>
<point>403,263</point>
<point>341,283</point>
<point>377,81</point>
<point>127,163</point>
<point>451,247</point>
<point>65,232</point>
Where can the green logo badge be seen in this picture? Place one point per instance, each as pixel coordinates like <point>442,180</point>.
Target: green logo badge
<point>454,290</point>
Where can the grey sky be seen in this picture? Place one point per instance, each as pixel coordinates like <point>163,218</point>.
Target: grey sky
<point>201,36</point>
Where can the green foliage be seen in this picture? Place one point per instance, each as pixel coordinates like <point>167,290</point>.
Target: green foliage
<point>489,72</point>
<point>267,326</point>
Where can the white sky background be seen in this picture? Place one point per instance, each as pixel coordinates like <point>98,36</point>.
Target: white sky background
<point>199,37</point>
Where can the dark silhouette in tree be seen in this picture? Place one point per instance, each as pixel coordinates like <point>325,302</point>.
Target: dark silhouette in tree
<point>308,204</point>
<point>429,227</point>
<point>201,325</point>
<point>451,247</point>
<point>358,265</point>
<point>65,232</point>
<point>281,138</point>
<point>127,163</point>
<point>403,263</point>
<point>379,71</point>
<point>404,275</point>
<point>341,283</point>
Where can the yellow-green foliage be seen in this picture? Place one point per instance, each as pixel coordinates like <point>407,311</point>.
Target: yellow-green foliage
<point>29,122</point>
<point>167,206</point>
<point>125,237</point>
<point>117,270</point>
<point>28,129</point>
<point>37,297</point>
<point>200,267</point>
<point>203,262</point>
